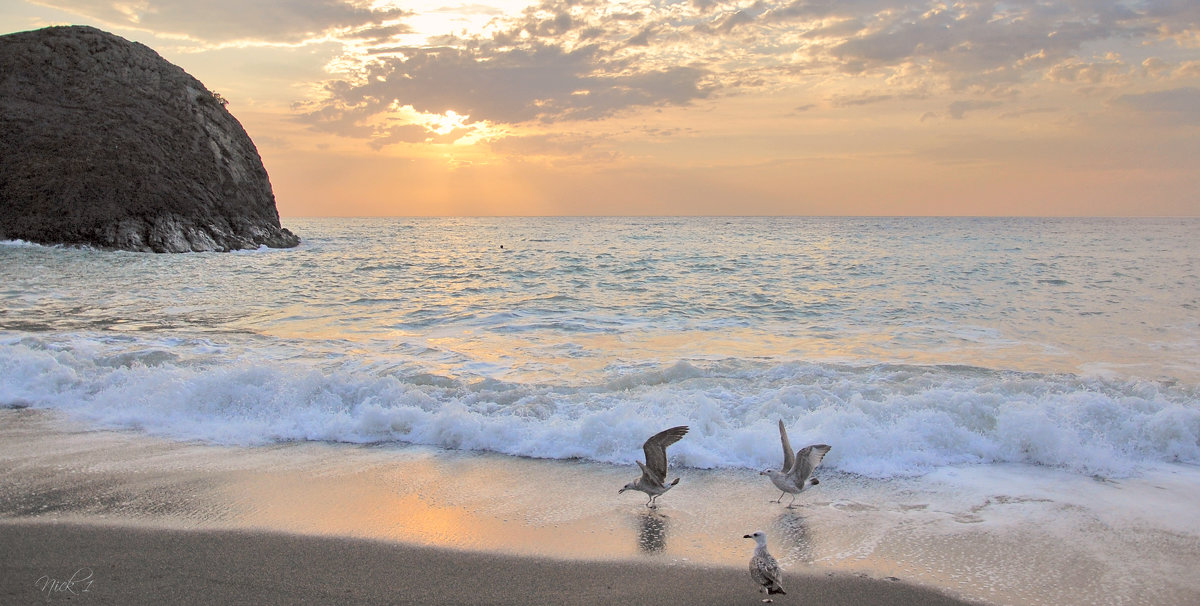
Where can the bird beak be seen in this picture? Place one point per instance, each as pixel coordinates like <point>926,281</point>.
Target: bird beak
<point>621,491</point>
<point>747,537</point>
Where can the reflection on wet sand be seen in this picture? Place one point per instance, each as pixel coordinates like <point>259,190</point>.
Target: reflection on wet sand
<point>652,532</point>
<point>795,537</point>
<point>55,470</point>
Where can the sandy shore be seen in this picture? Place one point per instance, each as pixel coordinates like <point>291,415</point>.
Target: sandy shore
<point>157,521</point>
<point>137,565</point>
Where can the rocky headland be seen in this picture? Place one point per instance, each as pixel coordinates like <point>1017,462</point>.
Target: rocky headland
<point>104,143</point>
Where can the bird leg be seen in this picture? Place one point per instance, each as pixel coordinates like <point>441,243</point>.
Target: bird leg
<point>792,503</point>
<point>650,501</point>
<point>780,499</point>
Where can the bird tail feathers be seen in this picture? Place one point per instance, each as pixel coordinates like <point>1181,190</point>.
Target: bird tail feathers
<point>775,590</point>
<point>675,482</point>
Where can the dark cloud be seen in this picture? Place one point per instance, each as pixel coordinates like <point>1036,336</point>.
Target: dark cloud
<point>1179,105</point>
<point>853,100</point>
<point>734,20</point>
<point>824,9</point>
<point>515,85</point>
<point>540,83</point>
<point>642,38</point>
<point>580,59</point>
<point>838,30</point>
<point>958,109</point>
<point>970,37</point>
<point>1173,16</point>
<point>1075,71</point>
<point>379,34</point>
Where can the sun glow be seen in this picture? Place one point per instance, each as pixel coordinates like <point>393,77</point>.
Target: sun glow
<point>443,124</point>
<point>448,127</point>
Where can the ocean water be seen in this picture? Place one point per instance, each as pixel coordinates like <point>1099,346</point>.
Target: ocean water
<point>911,344</point>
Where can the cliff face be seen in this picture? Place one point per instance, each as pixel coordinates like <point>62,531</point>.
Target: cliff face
<point>105,143</point>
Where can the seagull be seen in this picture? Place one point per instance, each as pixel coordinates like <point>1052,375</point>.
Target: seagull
<point>654,471</point>
<point>793,477</point>
<point>763,567</point>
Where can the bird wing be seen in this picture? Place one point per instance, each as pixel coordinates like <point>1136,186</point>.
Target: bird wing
<point>656,450</point>
<point>768,571</point>
<point>807,459</point>
<point>789,459</point>
<point>648,476</point>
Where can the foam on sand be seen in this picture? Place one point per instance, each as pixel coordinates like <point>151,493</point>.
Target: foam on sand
<point>1006,534</point>
<point>885,421</point>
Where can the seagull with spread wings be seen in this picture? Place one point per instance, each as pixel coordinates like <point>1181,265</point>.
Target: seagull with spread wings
<point>654,471</point>
<point>796,473</point>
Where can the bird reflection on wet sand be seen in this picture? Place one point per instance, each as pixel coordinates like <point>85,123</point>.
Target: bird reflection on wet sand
<point>652,532</point>
<point>794,537</point>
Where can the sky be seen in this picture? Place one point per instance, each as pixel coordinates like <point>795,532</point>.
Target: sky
<point>694,107</point>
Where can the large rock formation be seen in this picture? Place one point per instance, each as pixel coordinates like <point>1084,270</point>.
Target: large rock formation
<point>105,143</point>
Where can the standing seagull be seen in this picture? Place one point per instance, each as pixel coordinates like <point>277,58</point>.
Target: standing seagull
<point>654,472</point>
<point>763,567</point>
<point>797,468</point>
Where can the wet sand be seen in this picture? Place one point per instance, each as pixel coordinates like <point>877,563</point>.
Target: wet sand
<point>157,521</point>
<point>95,564</point>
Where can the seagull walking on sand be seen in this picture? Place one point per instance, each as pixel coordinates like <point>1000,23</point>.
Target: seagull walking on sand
<point>795,475</point>
<point>654,471</point>
<point>763,567</point>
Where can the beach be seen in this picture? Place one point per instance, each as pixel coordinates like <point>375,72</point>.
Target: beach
<point>179,527</point>
<point>142,565</point>
<point>155,521</point>
<point>1011,406</point>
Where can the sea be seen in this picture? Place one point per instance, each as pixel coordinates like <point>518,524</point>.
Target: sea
<point>911,345</point>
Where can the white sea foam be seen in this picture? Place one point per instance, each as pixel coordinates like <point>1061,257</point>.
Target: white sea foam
<point>907,344</point>
<point>18,243</point>
<point>990,369</point>
<point>883,420</point>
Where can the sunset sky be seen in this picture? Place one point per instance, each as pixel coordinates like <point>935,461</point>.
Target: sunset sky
<point>694,107</point>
